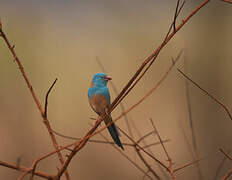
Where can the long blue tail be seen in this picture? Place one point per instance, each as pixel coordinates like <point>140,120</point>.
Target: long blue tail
<point>114,132</point>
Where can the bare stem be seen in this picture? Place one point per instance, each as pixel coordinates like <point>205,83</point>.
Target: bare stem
<point>45,120</point>
<point>207,93</point>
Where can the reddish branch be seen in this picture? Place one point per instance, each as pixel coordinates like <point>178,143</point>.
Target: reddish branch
<point>80,144</point>
<point>186,165</point>
<point>146,164</point>
<point>225,154</point>
<point>227,175</point>
<point>146,95</point>
<point>220,167</point>
<point>170,167</point>
<point>227,1</point>
<point>150,59</point>
<point>142,149</point>
<point>207,93</point>
<point>128,158</point>
<point>24,169</point>
<point>90,134</point>
<point>192,129</point>
<point>130,133</point>
<point>45,120</point>
<point>46,99</point>
<point>116,93</point>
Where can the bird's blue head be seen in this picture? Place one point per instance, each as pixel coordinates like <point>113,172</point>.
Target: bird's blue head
<point>100,79</point>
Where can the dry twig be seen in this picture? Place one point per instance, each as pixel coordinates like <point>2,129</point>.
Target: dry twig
<point>24,169</point>
<point>132,82</point>
<point>170,167</point>
<point>227,1</point>
<point>208,94</point>
<point>45,120</point>
<point>225,154</point>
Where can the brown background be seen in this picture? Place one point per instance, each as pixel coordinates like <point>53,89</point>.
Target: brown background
<point>62,39</point>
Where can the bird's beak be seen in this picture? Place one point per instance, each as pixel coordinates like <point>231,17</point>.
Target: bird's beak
<point>108,78</point>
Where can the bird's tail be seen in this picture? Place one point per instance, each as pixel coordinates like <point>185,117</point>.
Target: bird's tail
<point>113,131</point>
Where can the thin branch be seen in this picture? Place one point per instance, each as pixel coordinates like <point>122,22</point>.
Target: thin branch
<point>23,175</point>
<point>192,153</point>
<point>187,165</point>
<point>24,169</point>
<point>208,94</point>
<point>175,16</point>
<point>145,136</point>
<point>190,116</point>
<point>81,143</point>
<point>45,120</point>
<point>154,55</point>
<point>138,152</point>
<point>138,146</point>
<point>188,100</point>
<point>145,96</point>
<point>141,100</point>
<point>225,154</point>
<point>90,133</point>
<point>33,167</point>
<point>78,146</point>
<point>127,157</point>
<point>132,85</point>
<point>145,175</point>
<point>90,140</point>
<point>227,1</point>
<point>166,152</point>
<point>145,145</point>
<point>146,164</point>
<point>46,98</point>
<point>220,167</point>
<point>34,164</point>
<point>45,116</point>
<point>227,175</point>
<point>170,27</point>
<point>156,143</point>
<point>116,93</point>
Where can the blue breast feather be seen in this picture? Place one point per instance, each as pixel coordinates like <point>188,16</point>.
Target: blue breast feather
<point>100,91</point>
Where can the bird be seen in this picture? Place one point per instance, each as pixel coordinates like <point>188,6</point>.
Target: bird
<point>99,100</point>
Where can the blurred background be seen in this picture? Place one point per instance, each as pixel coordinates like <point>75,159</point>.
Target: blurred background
<point>61,39</point>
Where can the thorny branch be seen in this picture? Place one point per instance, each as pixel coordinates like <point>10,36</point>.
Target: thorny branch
<point>45,120</point>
